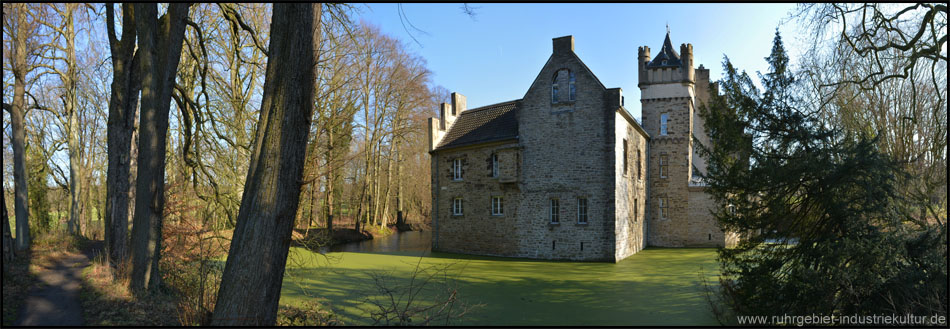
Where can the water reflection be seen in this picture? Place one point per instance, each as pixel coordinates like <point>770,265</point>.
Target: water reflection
<point>397,242</point>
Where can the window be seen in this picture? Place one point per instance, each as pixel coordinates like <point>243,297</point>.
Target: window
<point>639,172</point>
<point>457,207</point>
<point>554,92</point>
<point>573,90</point>
<point>663,123</point>
<point>497,206</point>
<point>625,157</point>
<point>663,208</point>
<point>664,160</point>
<point>554,210</point>
<point>732,209</point>
<point>582,210</point>
<point>457,169</point>
<point>494,165</point>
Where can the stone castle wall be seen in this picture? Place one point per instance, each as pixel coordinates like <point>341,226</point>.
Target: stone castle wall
<point>566,155</point>
<point>477,231</point>
<point>630,185</point>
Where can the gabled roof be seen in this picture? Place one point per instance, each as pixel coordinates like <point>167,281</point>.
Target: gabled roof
<point>666,54</point>
<point>481,125</point>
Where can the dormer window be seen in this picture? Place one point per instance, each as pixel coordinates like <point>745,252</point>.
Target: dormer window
<point>573,89</point>
<point>663,63</point>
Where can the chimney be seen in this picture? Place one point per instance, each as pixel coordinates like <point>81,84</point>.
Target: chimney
<point>564,44</point>
<point>458,104</point>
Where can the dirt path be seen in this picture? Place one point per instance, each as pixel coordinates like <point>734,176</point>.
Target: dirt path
<point>57,303</point>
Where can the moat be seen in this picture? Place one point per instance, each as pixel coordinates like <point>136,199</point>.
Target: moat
<point>657,286</point>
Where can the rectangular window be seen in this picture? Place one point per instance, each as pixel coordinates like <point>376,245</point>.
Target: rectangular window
<point>636,207</point>
<point>664,205</point>
<point>663,118</point>
<point>457,169</point>
<point>497,206</point>
<point>494,165</point>
<point>554,212</point>
<point>582,210</point>
<point>625,156</point>
<point>664,168</point>
<point>457,207</point>
<point>554,93</point>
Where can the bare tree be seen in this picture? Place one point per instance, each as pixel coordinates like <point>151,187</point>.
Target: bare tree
<point>251,282</point>
<point>18,28</point>
<point>160,44</point>
<point>122,106</point>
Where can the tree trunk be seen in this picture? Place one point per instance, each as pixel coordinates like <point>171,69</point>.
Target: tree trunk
<point>328,203</point>
<point>17,112</point>
<point>400,220</point>
<point>7,237</point>
<point>76,172</point>
<point>251,282</point>
<point>160,43</point>
<point>122,104</point>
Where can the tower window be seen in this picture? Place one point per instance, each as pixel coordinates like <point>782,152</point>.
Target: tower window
<point>582,210</point>
<point>664,207</point>
<point>664,165</point>
<point>663,123</point>
<point>573,90</point>
<point>554,210</point>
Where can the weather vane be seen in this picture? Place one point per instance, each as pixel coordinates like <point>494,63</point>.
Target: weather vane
<point>667,27</point>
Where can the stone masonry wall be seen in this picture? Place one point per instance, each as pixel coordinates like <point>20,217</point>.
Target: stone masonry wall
<point>670,230</point>
<point>566,155</point>
<point>477,231</point>
<point>703,230</point>
<point>631,189</point>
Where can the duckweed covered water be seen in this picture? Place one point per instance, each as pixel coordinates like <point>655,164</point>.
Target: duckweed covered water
<point>657,286</point>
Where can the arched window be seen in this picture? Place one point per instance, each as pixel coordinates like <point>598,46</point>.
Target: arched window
<point>573,90</point>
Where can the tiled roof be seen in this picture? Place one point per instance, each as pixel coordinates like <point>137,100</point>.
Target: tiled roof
<point>666,54</point>
<point>484,124</point>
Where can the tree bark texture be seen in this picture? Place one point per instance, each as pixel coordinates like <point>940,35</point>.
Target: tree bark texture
<point>254,272</point>
<point>122,103</point>
<point>17,112</point>
<point>7,237</point>
<point>160,44</point>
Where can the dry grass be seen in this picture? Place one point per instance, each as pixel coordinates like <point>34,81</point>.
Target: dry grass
<point>107,300</point>
<point>17,281</point>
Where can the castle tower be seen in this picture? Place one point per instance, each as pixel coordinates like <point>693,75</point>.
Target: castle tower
<point>668,98</point>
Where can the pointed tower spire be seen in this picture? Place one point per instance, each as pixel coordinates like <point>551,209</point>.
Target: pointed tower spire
<point>667,56</point>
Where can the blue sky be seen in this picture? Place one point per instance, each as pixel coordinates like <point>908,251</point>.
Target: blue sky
<point>495,56</point>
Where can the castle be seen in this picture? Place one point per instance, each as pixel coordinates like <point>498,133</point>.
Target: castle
<point>567,173</point>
